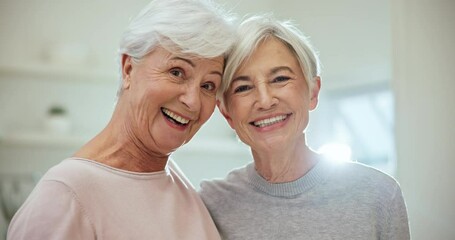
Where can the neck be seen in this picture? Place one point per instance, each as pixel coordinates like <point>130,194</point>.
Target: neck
<point>285,163</point>
<point>118,147</point>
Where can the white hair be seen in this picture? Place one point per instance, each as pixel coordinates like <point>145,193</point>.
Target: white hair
<point>193,27</point>
<point>255,30</point>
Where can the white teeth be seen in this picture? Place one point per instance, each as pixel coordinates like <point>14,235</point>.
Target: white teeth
<point>176,117</point>
<point>269,121</point>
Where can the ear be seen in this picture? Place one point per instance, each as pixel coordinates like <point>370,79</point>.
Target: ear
<point>126,71</point>
<point>223,111</point>
<point>315,93</point>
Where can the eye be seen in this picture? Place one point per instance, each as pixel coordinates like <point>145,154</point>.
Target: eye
<point>177,72</point>
<point>242,88</point>
<point>209,86</point>
<point>281,79</point>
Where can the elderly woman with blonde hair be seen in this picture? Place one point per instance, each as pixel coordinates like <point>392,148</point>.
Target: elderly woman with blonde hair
<point>271,84</point>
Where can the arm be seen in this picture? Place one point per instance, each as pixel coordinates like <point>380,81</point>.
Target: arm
<point>52,211</point>
<point>397,222</point>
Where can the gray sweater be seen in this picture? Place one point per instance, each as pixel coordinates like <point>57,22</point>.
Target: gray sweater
<point>331,201</point>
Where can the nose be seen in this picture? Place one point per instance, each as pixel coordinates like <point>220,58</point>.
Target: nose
<point>191,97</point>
<point>265,97</point>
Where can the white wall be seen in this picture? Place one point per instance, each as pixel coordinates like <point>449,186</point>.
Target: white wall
<point>424,57</point>
<point>352,36</point>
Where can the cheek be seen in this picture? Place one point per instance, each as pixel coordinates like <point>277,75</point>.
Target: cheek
<point>238,108</point>
<point>208,106</point>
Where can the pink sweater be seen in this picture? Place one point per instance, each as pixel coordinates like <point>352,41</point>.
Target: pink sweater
<point>83,199</point>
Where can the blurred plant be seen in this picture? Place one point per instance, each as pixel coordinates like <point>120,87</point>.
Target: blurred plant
<point>56,110</point>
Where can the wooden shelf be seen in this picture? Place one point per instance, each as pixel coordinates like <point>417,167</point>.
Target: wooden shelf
<point>58,72</point>
<point>44,139</point>
<point>41,139</point>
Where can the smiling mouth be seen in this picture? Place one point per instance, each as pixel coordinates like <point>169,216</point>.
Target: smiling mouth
<point>270,121</point>
<point>174,118</point>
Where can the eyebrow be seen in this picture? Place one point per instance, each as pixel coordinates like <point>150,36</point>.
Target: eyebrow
<point>280,68</point>
<point>185,60</point>
<point>272,71</point>
<point>240,78</point>
<point>194,65</point>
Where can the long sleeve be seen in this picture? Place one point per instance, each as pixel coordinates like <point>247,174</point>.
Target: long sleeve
<point>52,211</point>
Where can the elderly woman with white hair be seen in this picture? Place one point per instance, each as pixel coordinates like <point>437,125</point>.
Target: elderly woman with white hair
<point>271,84</point>
<point>122,183</point>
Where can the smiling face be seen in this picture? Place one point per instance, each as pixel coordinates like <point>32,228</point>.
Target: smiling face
<point>168,97</point>
<point>268,101</point>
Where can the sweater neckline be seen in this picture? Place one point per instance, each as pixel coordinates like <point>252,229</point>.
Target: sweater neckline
<point>163,173</point>
<point>316,175</point>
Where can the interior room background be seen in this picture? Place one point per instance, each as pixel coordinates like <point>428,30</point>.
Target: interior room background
<point>385,100</point>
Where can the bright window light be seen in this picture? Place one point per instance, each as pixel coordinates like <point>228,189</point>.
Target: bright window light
<point>338,152</point>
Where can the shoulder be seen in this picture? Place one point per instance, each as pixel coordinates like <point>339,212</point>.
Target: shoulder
<point>235,181</point>
<point>53,202</point>
<point>74,172</point>
<point>367,173</point>
<point>366,178</point>
<point>53,205</point>
<point>71,177</point>
<point>233,178</point>
<point>84,178</point>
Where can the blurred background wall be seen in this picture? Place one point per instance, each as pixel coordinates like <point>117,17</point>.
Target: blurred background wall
<point>386,93</point>
<point>423,82</point>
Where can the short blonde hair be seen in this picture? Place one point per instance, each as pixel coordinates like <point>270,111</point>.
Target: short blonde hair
<point>256,29</point>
